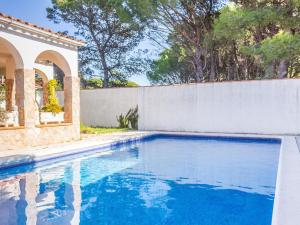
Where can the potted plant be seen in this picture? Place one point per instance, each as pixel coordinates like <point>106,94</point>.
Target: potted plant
<point>52,112</point>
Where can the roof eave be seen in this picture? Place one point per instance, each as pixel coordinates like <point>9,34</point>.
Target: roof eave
<point>41,32</point>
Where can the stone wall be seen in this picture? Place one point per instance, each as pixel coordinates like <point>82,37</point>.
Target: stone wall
<point>21,138</point>
<point>28,134</point>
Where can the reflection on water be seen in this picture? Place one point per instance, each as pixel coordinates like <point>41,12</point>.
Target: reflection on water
<point>160,181</point>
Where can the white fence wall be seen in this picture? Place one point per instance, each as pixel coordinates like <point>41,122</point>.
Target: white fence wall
<point>266,107</point>
<point>270,107</point>
<point>101,107</point>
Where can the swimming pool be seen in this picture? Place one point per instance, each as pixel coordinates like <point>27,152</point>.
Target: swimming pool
<point>162,179</point>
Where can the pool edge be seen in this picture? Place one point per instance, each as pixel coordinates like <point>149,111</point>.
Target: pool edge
<point>31,159</point>
<point>280,196</point>
<point>286,209</point>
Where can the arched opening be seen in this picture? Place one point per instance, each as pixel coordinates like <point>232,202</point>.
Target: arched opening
<point>10,61</point>
<point>57,59</point>
<point>41,87</point>
<point>51,68</point>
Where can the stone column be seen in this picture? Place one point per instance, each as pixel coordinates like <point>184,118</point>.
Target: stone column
<point>9,97</point>
<point>72,100</point>
<point>10,83</point>
<point>77,199</point>
<point>31,193</point>
<point>45,92</point>
<point>25,96</point>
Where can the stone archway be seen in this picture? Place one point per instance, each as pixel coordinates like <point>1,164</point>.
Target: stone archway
<point>57,58</point>
<point>10,62</point>
<point>71,83</point>
<point>8,49</point>
<point>24,43</point>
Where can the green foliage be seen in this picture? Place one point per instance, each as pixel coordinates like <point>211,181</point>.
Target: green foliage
<point>242,40</point>
<point>269,33</point>
<point>131,118</point>
<point>94,83</point>
<point>53,104</point>
<point>131,84</point>
<point>171,67</point>
<point>59,77</point>
<point>100,130</point>
<point>3,113</point>
<point>52,92</point>
<point>112,29</point>
<point>236,22</point>
<point>2,92</point>
<point>53,108</point>
<point>125,83</point>
<point>123,121</point>
<point>206,41</point>
<point>281,46</point>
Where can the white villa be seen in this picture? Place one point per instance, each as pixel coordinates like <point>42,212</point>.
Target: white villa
<point>26,51</point>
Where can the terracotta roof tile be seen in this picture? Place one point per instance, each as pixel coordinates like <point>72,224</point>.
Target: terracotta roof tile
<point>37,27</point>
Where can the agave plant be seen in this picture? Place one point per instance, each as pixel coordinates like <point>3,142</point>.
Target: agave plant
<point>123,121</point>
<point>131,118</point>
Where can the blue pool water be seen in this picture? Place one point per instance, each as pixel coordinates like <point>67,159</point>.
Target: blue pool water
<point>162,180</point>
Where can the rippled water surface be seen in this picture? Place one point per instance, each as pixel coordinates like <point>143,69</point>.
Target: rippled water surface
<point>162,180</point>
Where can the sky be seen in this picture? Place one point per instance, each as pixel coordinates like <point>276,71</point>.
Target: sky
<point>34,11</point>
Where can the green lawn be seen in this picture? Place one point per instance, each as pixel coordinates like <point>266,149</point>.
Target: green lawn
<point>100,130</point>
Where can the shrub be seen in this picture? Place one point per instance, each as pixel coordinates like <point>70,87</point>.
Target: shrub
<point>131,84</point>
<point>3,113</point>
<point>54,108</point>
<point>131,118</point>
<point>123,121</point>
<point>53,105</point>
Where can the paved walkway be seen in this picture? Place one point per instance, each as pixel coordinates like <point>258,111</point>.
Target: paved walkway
<point>13,157</point>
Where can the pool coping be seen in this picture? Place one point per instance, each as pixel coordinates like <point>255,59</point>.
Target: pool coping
<point>286,210</point>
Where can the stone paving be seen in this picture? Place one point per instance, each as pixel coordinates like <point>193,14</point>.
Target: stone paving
<point>12,157</point>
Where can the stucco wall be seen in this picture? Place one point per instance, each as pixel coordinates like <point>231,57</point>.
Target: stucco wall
<point>266,107</point>
<point>26,50</point>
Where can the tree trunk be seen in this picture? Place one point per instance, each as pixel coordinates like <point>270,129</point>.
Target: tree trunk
<point>212,76</point>
<point>105,72</point>
<point>198,65</point>
<point>282,69</point>
<point>106,79</point>
<point>270,70</point>
<point>102,59</point>
<point>246,72</point>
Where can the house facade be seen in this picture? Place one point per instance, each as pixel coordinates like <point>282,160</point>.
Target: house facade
<point>26,52</point>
